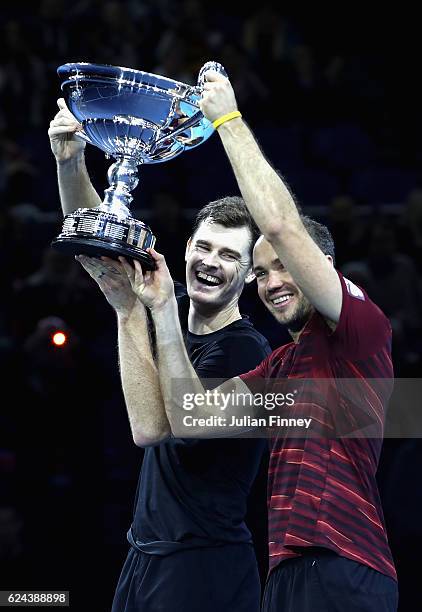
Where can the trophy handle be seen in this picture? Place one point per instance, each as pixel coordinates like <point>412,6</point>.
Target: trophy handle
<point>192,122</point>
<point>197,89</point>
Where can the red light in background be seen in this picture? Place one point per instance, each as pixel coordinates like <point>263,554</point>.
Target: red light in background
<point>59,338</point>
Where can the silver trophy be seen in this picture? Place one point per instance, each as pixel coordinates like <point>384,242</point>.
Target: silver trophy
<point>137,118</point>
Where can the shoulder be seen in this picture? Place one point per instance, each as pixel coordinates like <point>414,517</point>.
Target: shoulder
<point>363,328</point>
<point>269,366</point>
<point>243,336</point>
<point>357,302</point>
<point>236,350</point>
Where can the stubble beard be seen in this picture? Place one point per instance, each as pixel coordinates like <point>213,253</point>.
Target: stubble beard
<point>299,318</point>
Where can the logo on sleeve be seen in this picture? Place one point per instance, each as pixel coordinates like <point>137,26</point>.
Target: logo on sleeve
<point>354,290</point>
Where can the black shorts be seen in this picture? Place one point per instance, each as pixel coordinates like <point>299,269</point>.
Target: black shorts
<point>220,579</point>
<point>322,581</point>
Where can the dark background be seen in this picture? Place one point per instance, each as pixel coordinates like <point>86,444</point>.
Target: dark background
<point>333,98</point>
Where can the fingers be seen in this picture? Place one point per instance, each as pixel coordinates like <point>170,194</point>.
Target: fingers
<point>157,257</point>
<point>140,277</point>
<point>213,76</point>
<point>64,120</point>
<point>135,274</point>
<point>127,268</point>
<point>215,85</point>
<point>97,268</point>
<point>56,131</point>
<point>64,115</point>
<point>159,260</point>
<point>65,112</point>
<point>62,130</point>
<point>111,265</point>
<point>90,265</point>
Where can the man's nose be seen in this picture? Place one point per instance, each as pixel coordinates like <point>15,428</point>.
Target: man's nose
<point>210,260</point>
<point>274,281</point>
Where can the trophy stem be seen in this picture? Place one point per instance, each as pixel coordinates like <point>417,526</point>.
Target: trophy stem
<point>123,178</point>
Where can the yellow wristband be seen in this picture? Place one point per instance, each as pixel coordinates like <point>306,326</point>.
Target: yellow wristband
<point>227,117</point>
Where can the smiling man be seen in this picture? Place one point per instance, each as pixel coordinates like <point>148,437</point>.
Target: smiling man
<point>191,548</point>
<point>217,262</point>
<point>276,287</point>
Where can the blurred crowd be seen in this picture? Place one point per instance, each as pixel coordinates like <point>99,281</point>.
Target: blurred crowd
<point>330,118</point>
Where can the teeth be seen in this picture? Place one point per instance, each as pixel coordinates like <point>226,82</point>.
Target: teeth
<point>281,299</point>
<point>210,279</point>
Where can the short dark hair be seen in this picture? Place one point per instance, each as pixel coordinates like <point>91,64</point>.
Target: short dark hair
<point>230,211</point>
<point>320,234</point>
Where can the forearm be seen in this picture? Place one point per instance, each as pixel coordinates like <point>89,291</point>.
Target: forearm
<point>183,390</point>
<point>75,187</point>
<point>177,375</point>
<point>140,381</point>
<point>274,210</point>
<point>266,196</point>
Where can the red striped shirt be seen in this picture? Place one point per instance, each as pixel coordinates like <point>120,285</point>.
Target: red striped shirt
<point>322,489</point>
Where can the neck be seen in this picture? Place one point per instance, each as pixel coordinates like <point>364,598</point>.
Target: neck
<point>205,321</point>
<point>296,334</point>
<point>297,330</point>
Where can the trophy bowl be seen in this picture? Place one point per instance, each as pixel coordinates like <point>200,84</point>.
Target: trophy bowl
<point>137,118</point>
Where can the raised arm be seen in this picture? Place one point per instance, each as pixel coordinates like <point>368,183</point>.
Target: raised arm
<point>178,378</point>
<point>75,187</point>
<point>138,371</point>
<point>271,203</point>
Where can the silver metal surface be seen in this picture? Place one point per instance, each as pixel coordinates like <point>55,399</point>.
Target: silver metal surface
<point>138,118</point>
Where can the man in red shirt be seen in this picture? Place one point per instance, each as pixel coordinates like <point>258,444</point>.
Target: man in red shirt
<point>327,541</point>
<point>326,529</point>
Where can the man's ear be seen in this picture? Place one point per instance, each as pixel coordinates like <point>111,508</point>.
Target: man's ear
<point>330,259</point>
<point>188,245</point>
<point>250,276</point>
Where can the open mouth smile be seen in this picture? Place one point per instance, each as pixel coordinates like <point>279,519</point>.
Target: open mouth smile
<point>208,279</point>
<point>281,301</point>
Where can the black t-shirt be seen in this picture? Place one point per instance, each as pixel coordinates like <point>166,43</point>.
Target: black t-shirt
<point>194,492</point>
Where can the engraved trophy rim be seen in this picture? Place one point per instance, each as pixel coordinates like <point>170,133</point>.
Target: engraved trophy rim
<point>87,70</point>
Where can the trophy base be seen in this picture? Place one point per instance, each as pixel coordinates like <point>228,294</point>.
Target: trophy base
<point>96,233</point>
<point>93,247</point>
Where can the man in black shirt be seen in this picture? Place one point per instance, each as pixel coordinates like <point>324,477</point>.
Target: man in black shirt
<point>190,547</point>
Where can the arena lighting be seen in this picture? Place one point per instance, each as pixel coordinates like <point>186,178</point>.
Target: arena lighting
<point>59,338</point>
